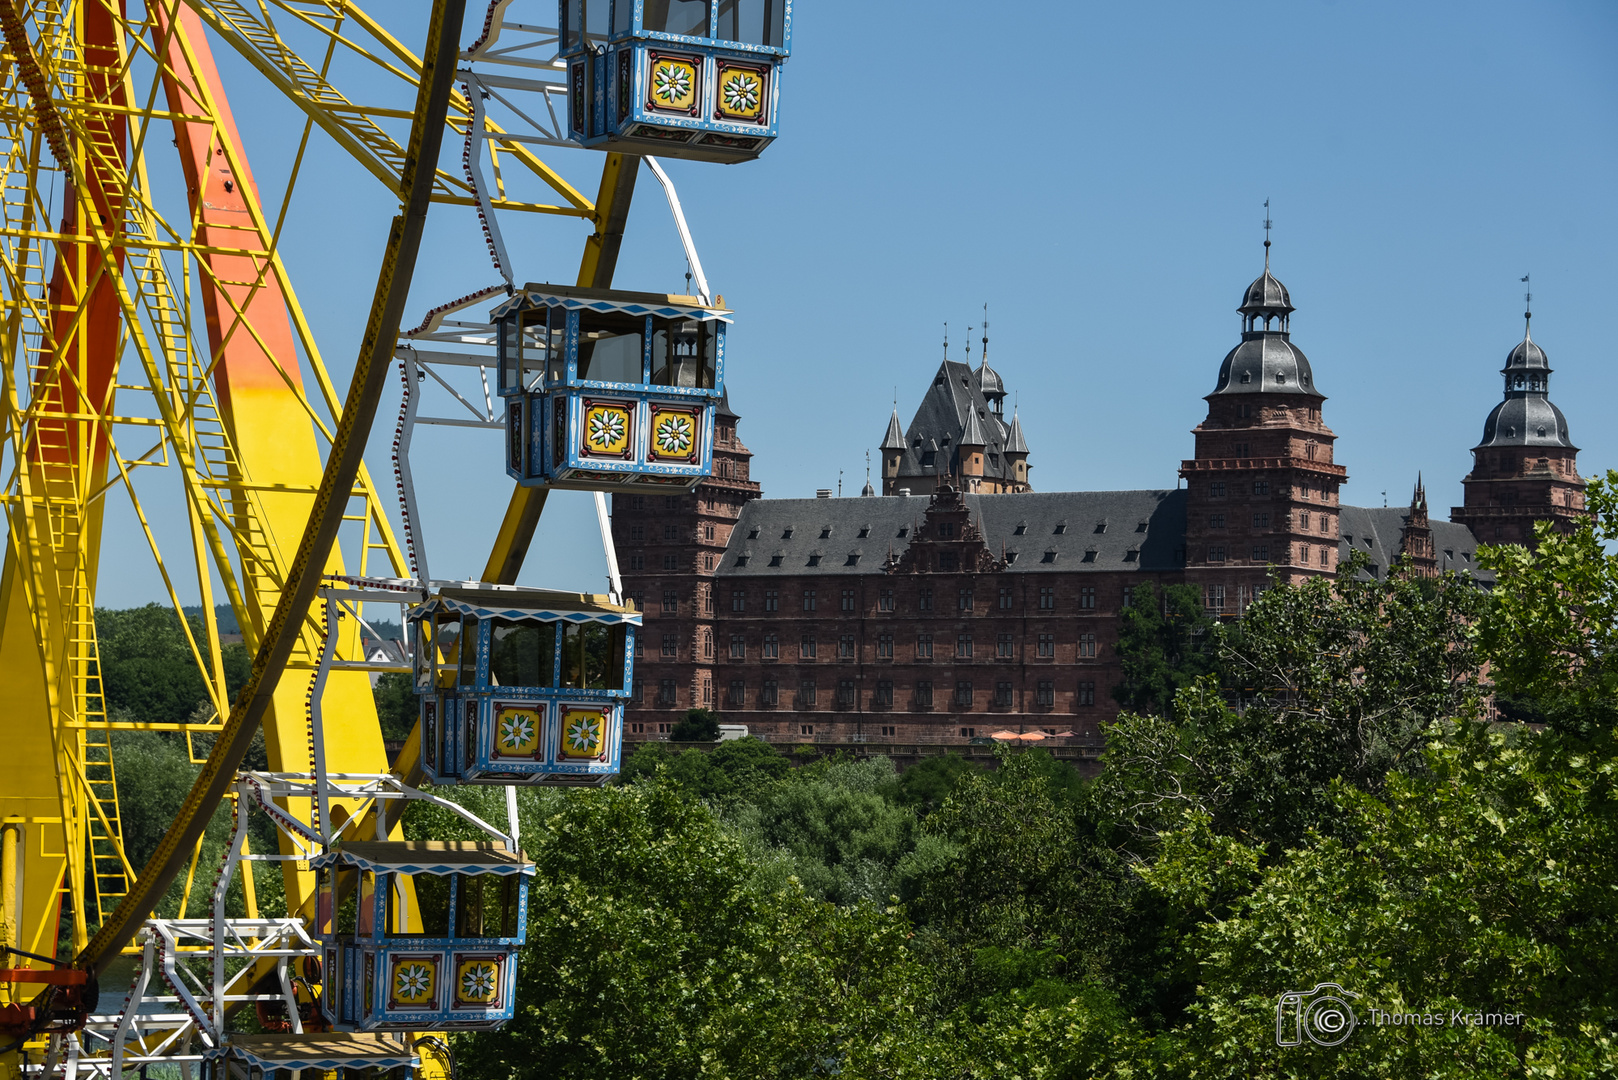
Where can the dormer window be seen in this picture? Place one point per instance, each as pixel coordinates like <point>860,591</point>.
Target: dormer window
<point>752,534</point>
<point>1247,376</point>
<point>865,531</point>
<point>1050,556</point>
<point>1090,556</point>
<point>1101,526</point>
<point>1061,527</point>
<point>1280,376</point>
<point>825,532</point>
<point>1141,527</point>
<point>814,560</point>
<point>904,531</point>
<point>786,533</point>
<point>775,560</point>
<point>853,559</point>
<point>1022,528</point>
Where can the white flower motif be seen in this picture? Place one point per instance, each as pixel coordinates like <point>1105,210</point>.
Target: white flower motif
<point>583,736</point>
<point>606,428</point>
<point>741,92</point>
<point>674,434</point>
<point>477,982</point>
<point>671,82</point>
<point>414,981</point>
<point>515,731</point>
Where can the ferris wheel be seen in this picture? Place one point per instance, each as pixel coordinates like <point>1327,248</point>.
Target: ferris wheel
<point>157,356</point>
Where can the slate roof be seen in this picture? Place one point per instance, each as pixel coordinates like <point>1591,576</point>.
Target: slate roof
<point>1143,530</point>
<point>940,421</point>
<point>1376,531</point>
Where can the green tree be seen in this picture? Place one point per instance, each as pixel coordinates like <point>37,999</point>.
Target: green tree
<point>698,725</point>
<point>1552,630</point>
<point>397,707</point>
<point>1165,642</point>
<point>148,669</point>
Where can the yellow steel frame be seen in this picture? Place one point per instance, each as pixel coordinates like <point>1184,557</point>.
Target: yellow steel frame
<point>109,277</point>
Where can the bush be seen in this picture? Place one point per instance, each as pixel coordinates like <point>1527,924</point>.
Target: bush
<point>699,725</point>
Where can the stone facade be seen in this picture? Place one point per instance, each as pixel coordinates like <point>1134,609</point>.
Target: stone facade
<point>983,605</point>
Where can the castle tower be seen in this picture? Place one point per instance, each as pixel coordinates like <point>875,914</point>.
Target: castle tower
<point>1526,468</point>
<point>1262,490</point>
<point>893,452</point>
<point>669,547</point>
<point>1416,538</point>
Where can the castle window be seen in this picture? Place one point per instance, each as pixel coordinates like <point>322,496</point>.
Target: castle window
<point>1049,556</point>
<point>884,602</point>
<point>883,698</point>
<point>1022,528</point>
<point>667,693</point>
<point>738,599</point>
<point>806,647</point>
<point>775,560</point>
<point>1305,519</point>
<point>1216,554</point>
<point>1132,555</point>
<point>769,693</point>
<point>637,561</point>
<point>637,502</point>
<point>963,600</point>
<point>1003,646</point>
<point>1089,556</point>
<point>1087,693</point>
<point>707,532</point>
<point>1261,487</point>
<point>786,533</point>
<point>924,646</point>
<point>637,533</point>
<point>671,532</point>
<point>825,532</point>
<point>865,531</point>
<point>814,560</point>
<point>928,459</point>
<point>1061,527</point>
<point>848,599</point>
<point>1261,521</point>
<point>1045,693</point>
<point>1242,450</point>
<point>946,530</point>
<point>884,647</point>
<point>772,647</point>
<point>1303,554</point>
<point>707,691</point>
<point>924,600</point>
<point>948,562</point>
<point>707,601</point>
<point>772,600</point>
<point>1011,557</point>
<point>671,562</point>
<point>671,645</point>
<point>845,647</point>
<point>845,694</point>
<point>1005,599</point>
<point>1216,490</point>
<point>806,700</point>
<point>963,694</point>
<point>1047,645</point>
<point>924,693</point>
<point>1101,526</point>
<point>1087,598</point>
<point>738,646</point>
<point>1261,553</point>
<point>671,601</point>
<point>1213,598</point>
<point>904,531</point>
<point>1129,593</point>
<point>808,599</point>
<point>752,534</point>
<point>1002,694</point>
<point>707,561</point>
<point>1087,645</point>
<point>738,693</point>
<point>963,647</point>
<point>1047,598</point>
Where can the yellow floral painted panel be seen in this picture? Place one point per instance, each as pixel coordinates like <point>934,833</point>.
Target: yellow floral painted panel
<point>741,93</point>
<point>674,435</point>
<point>477,981</point>
<point>516,730</point>
<point>584,735</point>
<point>608,429</point>
<point>413,983</point>
<point>672,83</point>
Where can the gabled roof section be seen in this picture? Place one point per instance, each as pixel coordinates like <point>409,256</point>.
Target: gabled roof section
<point>1015,443</point>
<point>973,435</point>
<point>1375,531</point>
<point>953,399</point>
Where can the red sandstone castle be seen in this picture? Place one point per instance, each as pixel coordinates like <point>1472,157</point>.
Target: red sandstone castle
<point>960,601</point>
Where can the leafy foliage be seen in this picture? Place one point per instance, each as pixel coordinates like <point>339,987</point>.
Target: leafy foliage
<point>148,670</point>
<point>698,725</point>
<point>1165,642</point>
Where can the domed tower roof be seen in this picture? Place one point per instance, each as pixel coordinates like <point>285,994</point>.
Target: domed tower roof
<point>1266,361</point>
<point>989,382</point>
<point>1526,417</point>
<point>1266,295</point>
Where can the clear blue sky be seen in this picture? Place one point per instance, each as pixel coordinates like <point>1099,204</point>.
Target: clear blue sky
<point>1098,178</point>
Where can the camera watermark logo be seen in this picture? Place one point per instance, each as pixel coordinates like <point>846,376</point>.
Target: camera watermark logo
<point>1322,1015</point>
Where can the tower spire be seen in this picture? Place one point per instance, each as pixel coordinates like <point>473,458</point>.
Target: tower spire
<point>1266,236</point>
<point>1528,306</point>
<point>946,340</point>
<point>969,346</point>
<point>985,355</point>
